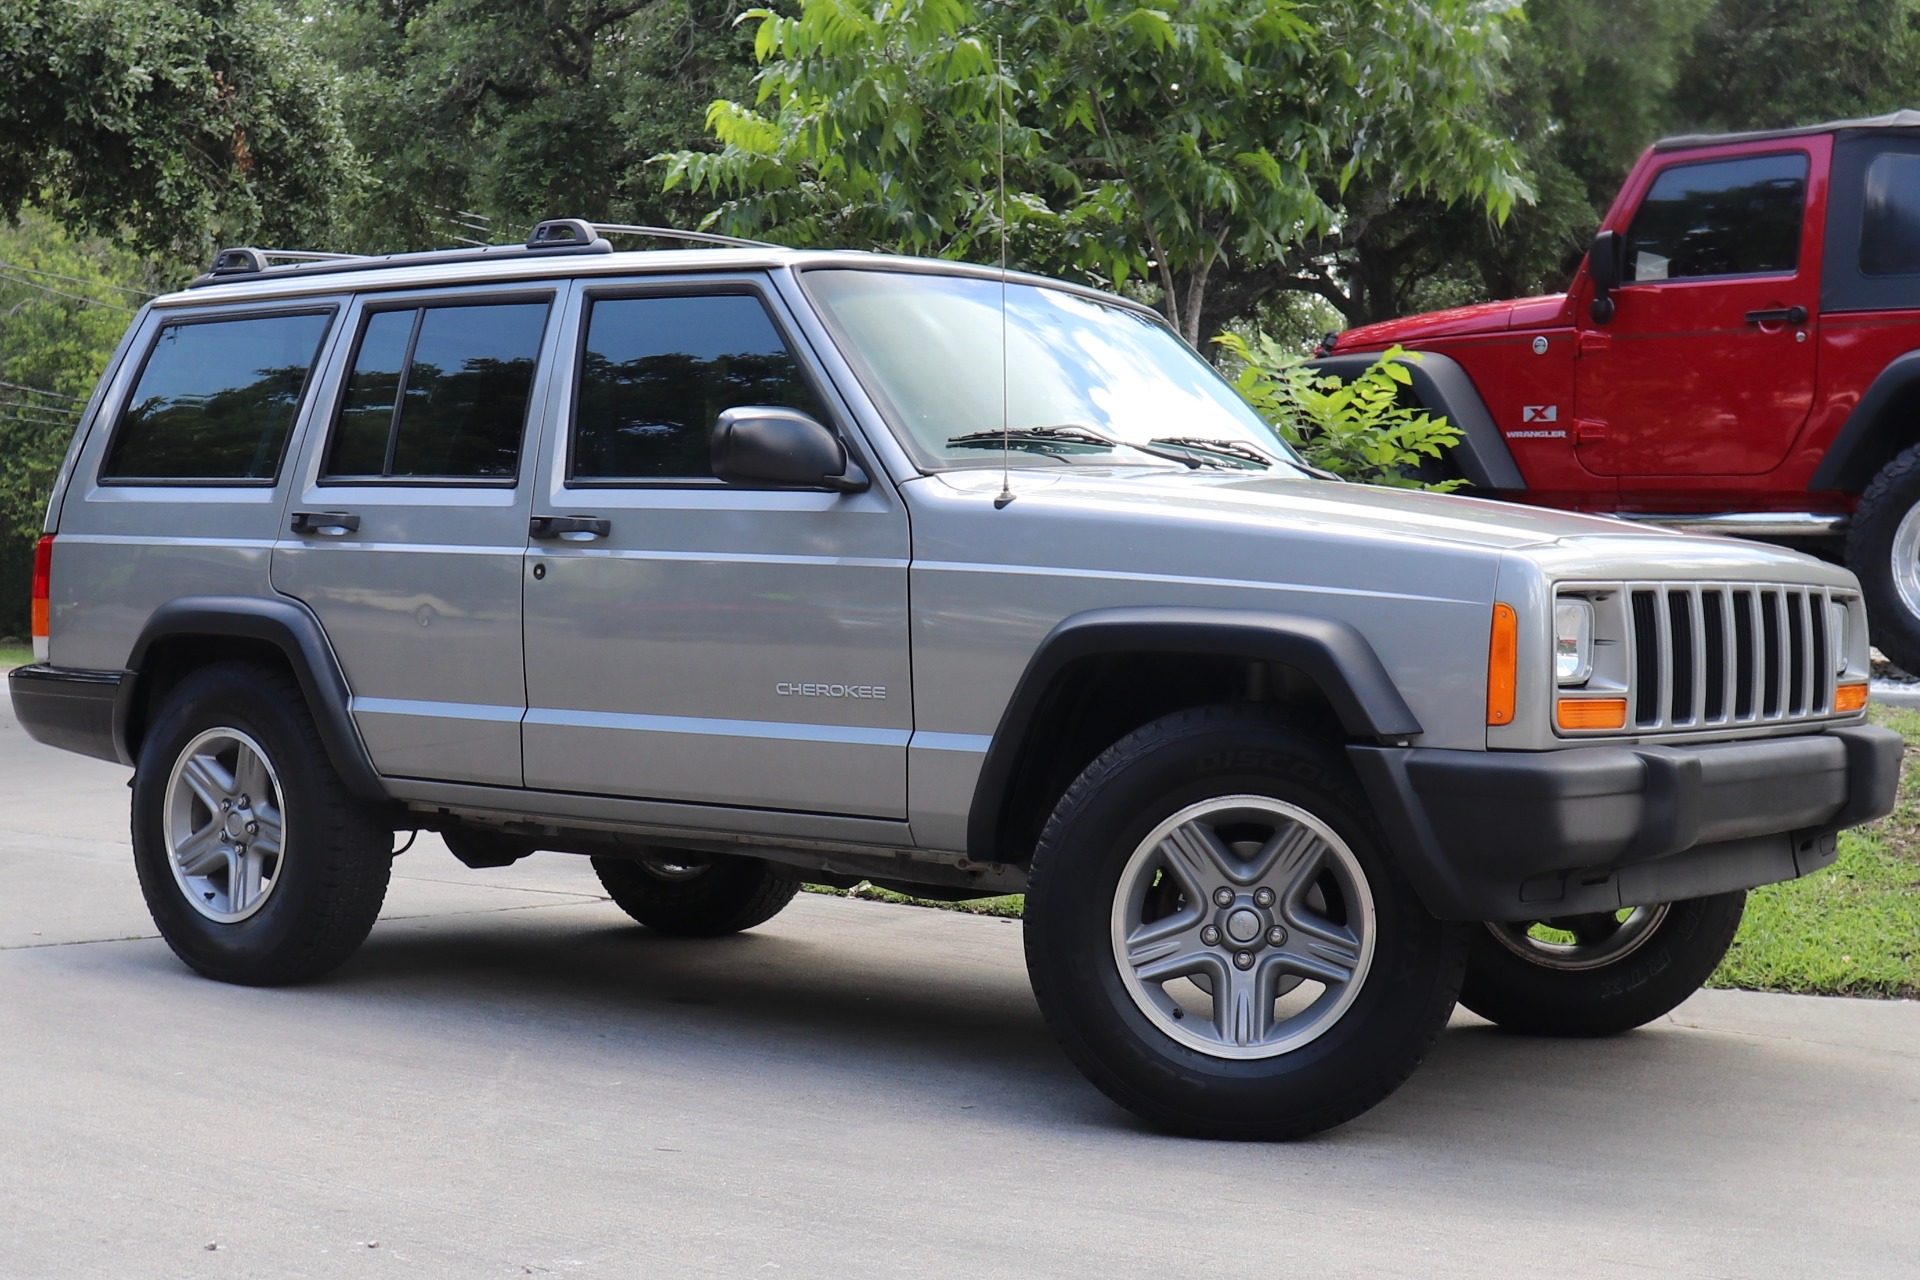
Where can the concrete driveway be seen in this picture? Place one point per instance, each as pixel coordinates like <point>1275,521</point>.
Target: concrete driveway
<point>510,1080</point>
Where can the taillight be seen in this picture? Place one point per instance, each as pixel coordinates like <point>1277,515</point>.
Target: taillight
<point>42,596</point>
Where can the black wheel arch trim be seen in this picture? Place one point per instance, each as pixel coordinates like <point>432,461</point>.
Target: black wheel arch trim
<point>288,626</point>
<point>1331,653</point>
<point>1857,452</point>
<point>1443,386</point>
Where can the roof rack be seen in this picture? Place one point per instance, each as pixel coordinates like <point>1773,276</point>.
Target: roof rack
<point>551,237</point>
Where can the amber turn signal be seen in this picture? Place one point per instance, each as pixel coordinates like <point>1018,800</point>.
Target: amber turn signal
<point>1849,697</point>
<point>1503,664</point>
<point>1593,713</point>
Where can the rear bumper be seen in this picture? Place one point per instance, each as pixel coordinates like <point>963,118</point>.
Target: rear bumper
<point>1491,835</point>
<point>71,709</point>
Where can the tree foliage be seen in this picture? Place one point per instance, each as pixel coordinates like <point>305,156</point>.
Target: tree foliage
<point>480,117</point>
<point>1361,428</point>
<point>1179,144</point>
<point>170,123</point>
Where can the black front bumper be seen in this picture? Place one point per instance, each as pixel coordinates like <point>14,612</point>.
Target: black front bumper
<point>71,709</point>
<point>1507,835</point>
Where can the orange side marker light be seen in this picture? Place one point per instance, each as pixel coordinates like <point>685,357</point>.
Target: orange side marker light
<point>1503,664</point>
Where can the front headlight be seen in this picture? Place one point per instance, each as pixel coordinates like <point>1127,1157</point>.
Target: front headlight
<point>1572,641</point>
<point>1837,634</point>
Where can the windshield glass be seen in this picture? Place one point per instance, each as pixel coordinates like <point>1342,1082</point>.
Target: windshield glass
<point>1089,382</point>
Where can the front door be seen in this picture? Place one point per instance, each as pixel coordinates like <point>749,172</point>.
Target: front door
<point>690,640</point>
<point>409,523</point>
<point>1707,366</point>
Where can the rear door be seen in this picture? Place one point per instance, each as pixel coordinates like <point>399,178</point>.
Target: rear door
<point>1707,366</point>
<point>696,641</point>
<point>409,522</point>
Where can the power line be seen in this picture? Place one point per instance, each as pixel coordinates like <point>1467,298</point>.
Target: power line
<point>62,293</point>
<point>55,275</point>
<point>48,419</point>
<point>42,391</point>
<point>34,422</point>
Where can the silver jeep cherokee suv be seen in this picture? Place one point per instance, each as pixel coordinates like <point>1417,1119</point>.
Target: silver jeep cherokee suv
<point>732,568</point>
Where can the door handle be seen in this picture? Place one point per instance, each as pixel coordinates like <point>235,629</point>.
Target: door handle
<point>332,524</point>
<point>1778,315</point>
<point>548,527</point>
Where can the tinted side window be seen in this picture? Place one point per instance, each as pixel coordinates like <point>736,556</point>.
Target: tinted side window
<point>216,399</point>
<point>439,393</point>
<point>1721,218</point>
<point>1890,216</point>
<point>656,373</point>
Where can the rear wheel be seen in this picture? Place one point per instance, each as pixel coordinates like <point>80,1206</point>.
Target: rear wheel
<point>257,864</point>
<point>697,895</point>
<point>1218,940</point>
<point>1883,550</point>
<point>1600,973</point>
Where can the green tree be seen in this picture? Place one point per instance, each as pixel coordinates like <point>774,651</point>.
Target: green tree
<point>1766,64</point>
<point>480,117</point>
<point>1188,146</point>
<point>171,123</point>
<point>63,306</point>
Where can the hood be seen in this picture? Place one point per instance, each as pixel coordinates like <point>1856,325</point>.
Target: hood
<point>1223,498</point>
<point>1482,317</point>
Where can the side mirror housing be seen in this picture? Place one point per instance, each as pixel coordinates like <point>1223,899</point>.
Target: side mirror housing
<point>767,444</point>
<point>1605,265</point>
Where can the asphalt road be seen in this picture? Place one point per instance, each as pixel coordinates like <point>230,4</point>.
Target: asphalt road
<point>512,1080</point>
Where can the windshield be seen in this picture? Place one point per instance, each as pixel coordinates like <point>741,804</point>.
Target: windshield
<point>1089,382</point>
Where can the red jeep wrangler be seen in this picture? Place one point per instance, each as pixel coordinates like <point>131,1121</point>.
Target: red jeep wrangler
<point>1739,353</point>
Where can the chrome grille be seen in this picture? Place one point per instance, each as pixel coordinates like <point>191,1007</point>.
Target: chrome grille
<point>1712,655</point>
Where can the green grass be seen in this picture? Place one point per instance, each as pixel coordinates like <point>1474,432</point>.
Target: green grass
<point>1853,929</point>
<point>14,655</point>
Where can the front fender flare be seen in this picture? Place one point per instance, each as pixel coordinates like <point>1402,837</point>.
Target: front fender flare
<point>1443,386</point>
<point>1331,653</point>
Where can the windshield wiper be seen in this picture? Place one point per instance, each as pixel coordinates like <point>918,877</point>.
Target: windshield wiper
<point>1072,433</point>
<point>1232,450</point>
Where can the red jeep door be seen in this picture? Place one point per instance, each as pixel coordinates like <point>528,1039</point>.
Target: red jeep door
<point>1706,367</point>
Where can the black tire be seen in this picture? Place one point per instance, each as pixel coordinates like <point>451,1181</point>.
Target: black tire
<point>330,875</point>
<point>1398,1005</point>
<point>1670,960</point>
<point>1888,499</point>
<point>697,895</point>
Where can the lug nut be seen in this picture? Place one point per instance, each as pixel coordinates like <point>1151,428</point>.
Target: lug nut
<point>1223,897</point>
<point>1210,936</point>
<point>226,806</point>
<point>243,802</point>
<point>1243,960</point>
<point>1276,936</point>
<point>253,828</point>
<point>1263,898</point>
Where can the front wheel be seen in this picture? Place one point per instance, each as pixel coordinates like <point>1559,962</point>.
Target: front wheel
<point>697,895</point>
<point>1600,973</point>
<point>1218,940</point>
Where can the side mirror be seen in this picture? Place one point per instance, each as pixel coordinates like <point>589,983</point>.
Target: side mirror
<point>765,444</point>
<point>1605,265</point>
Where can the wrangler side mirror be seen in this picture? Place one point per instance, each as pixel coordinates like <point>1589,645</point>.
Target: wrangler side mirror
<point>1605,264</point>
<point>766,444</point>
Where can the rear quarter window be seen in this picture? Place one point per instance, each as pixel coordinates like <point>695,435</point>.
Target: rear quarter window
<point>215,400</point>
<point>1890,216</point>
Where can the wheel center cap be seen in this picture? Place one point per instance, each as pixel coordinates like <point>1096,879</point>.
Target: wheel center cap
<point>1244,925</point>
<point>235,827</point>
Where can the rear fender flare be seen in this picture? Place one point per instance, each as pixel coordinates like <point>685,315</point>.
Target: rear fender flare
<point>1876,430</point>
<point>289,627</point>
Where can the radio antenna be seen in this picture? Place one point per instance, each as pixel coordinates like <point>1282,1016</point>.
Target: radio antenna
<point>1006,432</point>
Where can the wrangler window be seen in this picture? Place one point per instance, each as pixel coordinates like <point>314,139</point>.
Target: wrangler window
<point>656,373</point>
<point>1735,217</point>
<point>215,400</point>
<point>438,393</point>
<point>1890,216</point>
